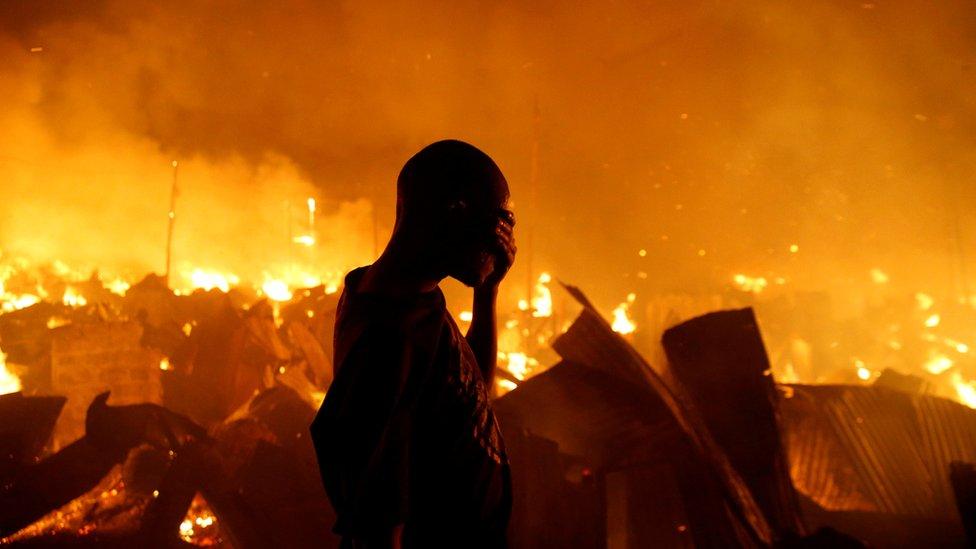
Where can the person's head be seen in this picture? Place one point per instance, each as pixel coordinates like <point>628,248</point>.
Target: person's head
<point>450,196</point>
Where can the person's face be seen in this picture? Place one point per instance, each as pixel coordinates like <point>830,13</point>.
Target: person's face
<point>475,242</point>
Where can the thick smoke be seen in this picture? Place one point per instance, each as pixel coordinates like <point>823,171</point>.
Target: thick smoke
<point>712,136</point>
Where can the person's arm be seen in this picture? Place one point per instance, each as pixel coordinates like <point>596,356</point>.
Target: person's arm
<point>482,335</point>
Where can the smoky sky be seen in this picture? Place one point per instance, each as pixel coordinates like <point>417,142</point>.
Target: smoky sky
<point>713,135</point>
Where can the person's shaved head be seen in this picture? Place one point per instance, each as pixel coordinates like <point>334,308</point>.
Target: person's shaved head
<point>450,198</point>
<point>450,174</point>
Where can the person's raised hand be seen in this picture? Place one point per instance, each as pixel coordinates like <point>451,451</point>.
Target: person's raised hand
<point>504,247</point>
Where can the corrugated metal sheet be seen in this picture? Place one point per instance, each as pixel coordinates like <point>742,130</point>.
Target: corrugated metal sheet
<point>598,417</point>
<point>876,449</point>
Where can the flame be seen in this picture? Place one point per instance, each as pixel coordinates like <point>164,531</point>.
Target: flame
<point>504,386</point>
<point>164,364</point>
<point>9,382</point>
<point>789,374</point>
<point>542,300</point>
<point>276,290</point>
<point>57,322</point>
<point>304,240</point>
<point>863,373</point>
<point>10,302</point>
<point>933,321</point>
<point>518,365</point>
<point>73,299</point>
<point>622,323</point>
<point>118,286</point>
<point>750,284</point>
<point>207,280</point>
<point>199,526</point>
<point>965,389</point>
<point>17,302</point>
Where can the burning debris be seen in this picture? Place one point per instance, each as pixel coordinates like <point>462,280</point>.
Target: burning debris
<point>214,388</point>
<point>248,366</point>
<point>219,381</point>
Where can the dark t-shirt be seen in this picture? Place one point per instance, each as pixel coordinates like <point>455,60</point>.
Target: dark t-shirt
<point>406,434</point>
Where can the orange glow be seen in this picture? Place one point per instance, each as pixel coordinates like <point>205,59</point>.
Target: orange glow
<point>750,283</point>
<point>208,280</point>
<point>276,290</point>
<point>542,300</point>
<point>965,389</point>
<point>9,382</point>
<point>73,299</point>
<point>622,321</point>
<point>938,364</point>
<point>879,276</point>
<point>199,526</point>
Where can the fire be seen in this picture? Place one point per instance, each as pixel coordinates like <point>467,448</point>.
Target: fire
<point>207,280</point>
<point>10,302</point>
<point>276,290</point>
<point>518,364</point>
<point>863,373</point>
<point>622,323</point>
<point>9,382</point>
<point>17,302</point>
<point>750,284</point>
<point>505,385</point>
<point>118,286</point>
<point>965,389</point>
<point>73,299</point>
<point>199,526</point>
<point>933,321</point>
<point>304,240</point>
<point>542,300</point>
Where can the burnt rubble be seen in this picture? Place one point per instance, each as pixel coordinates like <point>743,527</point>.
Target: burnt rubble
<point>176,421</point>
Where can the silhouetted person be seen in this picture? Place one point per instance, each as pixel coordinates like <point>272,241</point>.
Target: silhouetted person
<point>410,452</point>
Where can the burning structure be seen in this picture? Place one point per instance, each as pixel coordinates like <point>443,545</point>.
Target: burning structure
<point>809,163</point>
<point>205,439</point>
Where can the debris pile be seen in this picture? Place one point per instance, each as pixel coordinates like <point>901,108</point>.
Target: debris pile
<point>182,419</point>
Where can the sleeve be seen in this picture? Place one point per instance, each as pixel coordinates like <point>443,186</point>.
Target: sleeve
<point>364,431</point>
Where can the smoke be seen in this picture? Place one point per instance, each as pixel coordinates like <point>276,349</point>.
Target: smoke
<point>714,138</point>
